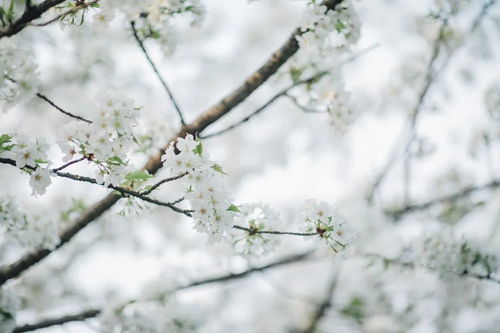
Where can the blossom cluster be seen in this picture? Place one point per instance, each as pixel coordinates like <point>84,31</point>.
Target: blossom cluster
<point>205,186</point>
<point>256,217</point>
<point>327,34</point>
<point>153,18</point>
<point>319,217</point>
<point>450,254</point>
<point>34,232</point>
<point>107,140</point>
<point>30,156</point>
<point>18,73</point>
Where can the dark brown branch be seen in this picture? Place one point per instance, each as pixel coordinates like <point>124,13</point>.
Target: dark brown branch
<point>207,118</point>
<point>57,321</point>
<point>253,231</point>
<point>222,278</point>
<point>30,13</point>
<point>45,98</point>
<point>157,72</point>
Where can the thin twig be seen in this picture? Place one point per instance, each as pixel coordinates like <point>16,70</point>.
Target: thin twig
<point>430,78</point>
<point>45,98</point>
<point>64,166</point>
<point>157,72</point>
<point>253,231</point>
<point>302,107</point>
<point>163,181</point>
<point>82,5</point>
<point>57,321</point>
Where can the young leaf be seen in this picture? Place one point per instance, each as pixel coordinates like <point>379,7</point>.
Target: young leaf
<point>138,175</point>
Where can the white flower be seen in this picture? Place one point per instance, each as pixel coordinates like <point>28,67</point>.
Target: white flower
<point>27,153</point>
<point>319,217</point>
<point>256,217</point>
<point>103,17</point>
<point>39,180</point>
<point>9,305</point>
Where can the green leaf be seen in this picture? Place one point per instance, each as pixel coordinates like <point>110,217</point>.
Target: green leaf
<point>138,175</point>
<point>40,161</point>
<point>233,208</point>
<point>296,73</point>
<point>199,148</point>
<point>218,168</point>
<point>4,139</point>
<point>115,160</point>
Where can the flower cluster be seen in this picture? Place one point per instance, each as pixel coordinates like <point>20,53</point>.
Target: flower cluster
<point>18,73</point>
<point>9,305</point>
<point>33,232</point>
<point>319,217</point>
<point>325,30</point>
<point>29,156</point>
<point>256,217</point>
<point>205,187</point>
<point>327,34</point>
<point>448,253</point>
<point>107,140</point>
<point>153,18</point>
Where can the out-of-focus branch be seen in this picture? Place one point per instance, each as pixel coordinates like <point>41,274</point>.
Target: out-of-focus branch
<point>222,278</point>
<point>431,75</point>
<point>57,321</point>
<point>321,308</point>
<point>210,116</point>
<point>30,13</point>
<point>400,212</point>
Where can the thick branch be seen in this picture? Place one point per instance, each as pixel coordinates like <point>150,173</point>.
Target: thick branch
<point>30,13</point>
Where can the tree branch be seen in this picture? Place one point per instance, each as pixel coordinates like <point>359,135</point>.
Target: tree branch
<point>30,13</point>
<point>222,278</point>
<point>254,81</point>
<point>398,213</point>
<point>157,72</point>
<point>253,231</point>
<point>57,321</point>
<point>45,98</point>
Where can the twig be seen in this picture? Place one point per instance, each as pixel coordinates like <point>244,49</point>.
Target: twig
<point>57,321</point>
<point>64,166</point>
<point>123,191</point>
<point>222,278</point>
<point>274,98</point>
<point>302,107</point>
<point>163,181</point>
<point>79,6</point>
<point>398,213</point>
<point>45,98</point>
<point>157,72</point>
<point>253,231</point>
<point>284,92</point>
